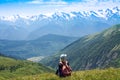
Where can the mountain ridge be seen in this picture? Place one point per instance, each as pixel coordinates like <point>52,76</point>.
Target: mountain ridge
<point>92,51</point>
<point>43,46</point>
<point>103,13</point>
<point>61,23</point>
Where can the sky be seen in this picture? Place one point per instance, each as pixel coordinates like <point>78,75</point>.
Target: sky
<point>48,7</point>
<point>24,1</point>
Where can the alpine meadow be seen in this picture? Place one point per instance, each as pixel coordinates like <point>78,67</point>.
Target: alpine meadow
<point>59,39</point>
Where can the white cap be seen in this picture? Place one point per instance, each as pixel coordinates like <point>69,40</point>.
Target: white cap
<point>63,55</point>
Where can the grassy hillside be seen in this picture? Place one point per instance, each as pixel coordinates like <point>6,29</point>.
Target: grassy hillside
<point>107,74</point>
<point>42,46</point>
<point>10,68</point>
<point>93,51</point>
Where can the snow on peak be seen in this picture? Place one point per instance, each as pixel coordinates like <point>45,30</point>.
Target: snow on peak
<point>9,18</point>
<point>104,13</point>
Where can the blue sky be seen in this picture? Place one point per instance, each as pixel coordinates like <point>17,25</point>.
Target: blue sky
<point>48,7</point>
<point>67,1</point>
<point>24,1</point>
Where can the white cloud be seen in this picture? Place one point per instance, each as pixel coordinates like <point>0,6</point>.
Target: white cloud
<point>37,7</point>
<point>34,2</point>
<point>51,2</point>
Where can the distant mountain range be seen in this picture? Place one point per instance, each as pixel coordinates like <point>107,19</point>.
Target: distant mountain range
<point>43,46</point>
<point>69,24</point>
<point>92,51</point>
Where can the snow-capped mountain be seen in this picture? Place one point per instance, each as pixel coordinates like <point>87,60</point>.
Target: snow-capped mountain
<point>71,24</point>
<point>105,13</point>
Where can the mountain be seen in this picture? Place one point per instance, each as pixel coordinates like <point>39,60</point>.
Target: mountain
<point>12,31</point>
<point>10,68</point>
<point>92,51</point>
<point>61,23</point>
<point>43,46</point>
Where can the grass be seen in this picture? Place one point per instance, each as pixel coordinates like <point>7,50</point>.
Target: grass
<point>11,68</point>
<point>96,74</point>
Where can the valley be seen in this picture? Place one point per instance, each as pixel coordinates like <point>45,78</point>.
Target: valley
<point>37,36</point>
<point>43,46</point>
<point>101,50</point>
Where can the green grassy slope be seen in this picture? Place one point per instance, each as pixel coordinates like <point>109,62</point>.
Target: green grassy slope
<point>107,74</point>
<point>10,68</point>
<point>42,46</point>
<point>93,51</point>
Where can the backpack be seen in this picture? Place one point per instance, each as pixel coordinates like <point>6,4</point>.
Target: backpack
<point>66,70</point>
